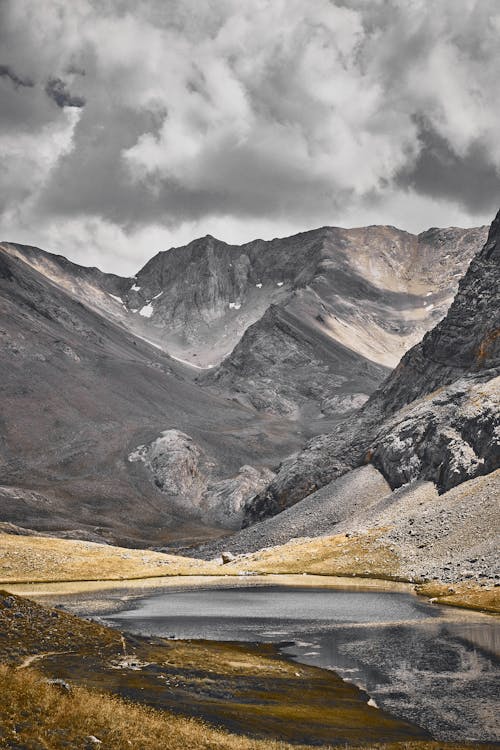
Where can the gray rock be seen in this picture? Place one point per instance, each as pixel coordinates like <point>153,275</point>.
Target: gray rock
<point>59,683</point>
<point>195,482</point>
<point>449,436</point>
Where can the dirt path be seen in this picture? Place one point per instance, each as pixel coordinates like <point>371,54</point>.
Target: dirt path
<point>36,657</point>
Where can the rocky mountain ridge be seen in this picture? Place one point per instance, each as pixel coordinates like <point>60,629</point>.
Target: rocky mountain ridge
<point>103,425</point>
<point>252,318</point>
<point>436,417</point>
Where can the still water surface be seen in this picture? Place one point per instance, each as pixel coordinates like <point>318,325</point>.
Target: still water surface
<point>435,666</point>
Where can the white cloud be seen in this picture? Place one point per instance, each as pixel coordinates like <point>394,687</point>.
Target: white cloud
<point>245,119</point>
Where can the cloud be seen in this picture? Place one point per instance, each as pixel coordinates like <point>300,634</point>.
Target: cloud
<point>142,122</point>
<point>57,90</point>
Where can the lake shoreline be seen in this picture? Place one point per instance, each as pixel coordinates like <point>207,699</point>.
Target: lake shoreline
<point>460,595</point>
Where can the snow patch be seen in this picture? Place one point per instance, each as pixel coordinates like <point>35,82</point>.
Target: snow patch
<point>118,299</point>
<point>259,285</point>
<point>280,283</point>
<point>157,295</point>
<point>146,311</point>
<point>135,288</point>
<point>428,294</point>
<point>234,305</point>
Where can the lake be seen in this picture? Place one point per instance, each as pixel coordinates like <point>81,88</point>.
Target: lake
<point>435,666</point>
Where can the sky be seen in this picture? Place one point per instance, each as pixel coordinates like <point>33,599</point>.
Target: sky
<point>131,126</point>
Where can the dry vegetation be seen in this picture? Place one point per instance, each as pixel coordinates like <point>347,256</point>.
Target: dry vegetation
<point>43,559</point>
<point>37,716</point>
<point>464,594</point>
<point>340,555</point>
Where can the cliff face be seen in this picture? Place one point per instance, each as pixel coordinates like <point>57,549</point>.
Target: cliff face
<point>466,341</point>
<point>436,417</point>
<point>353,301</point>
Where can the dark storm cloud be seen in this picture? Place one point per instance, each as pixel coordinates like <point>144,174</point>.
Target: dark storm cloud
<point>272,113</point>
<point>6,72</point>
<point>57,90</point>
<point>471,179</point>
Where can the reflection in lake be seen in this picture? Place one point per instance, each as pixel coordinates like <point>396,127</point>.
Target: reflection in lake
<point>434,666</point>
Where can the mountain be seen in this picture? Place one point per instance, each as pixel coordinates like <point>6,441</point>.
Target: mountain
<point>80,395</point>
<point>356,300</point>
<point>154,409</point>
<point>435,418</point>
<point>305,326</point>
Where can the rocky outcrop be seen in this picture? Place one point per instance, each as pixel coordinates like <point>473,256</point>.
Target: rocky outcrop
<point>176,463</point>
<point>448,438</point>
<point>436,417</point>
<point>183,471</point>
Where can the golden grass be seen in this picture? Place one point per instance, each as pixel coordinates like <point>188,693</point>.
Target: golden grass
<point>38,716</point>
<point>465,594</point>
<point>32,711</point>
<point>26,559</point>
<point>363,554</point>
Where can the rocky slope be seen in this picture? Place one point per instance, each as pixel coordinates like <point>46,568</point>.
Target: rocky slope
<point>361,527</point>
<point>106,435</point>
<point>306,326</point>
<point>436,417</point>
<point>362,298</point>
<point>79,393</point>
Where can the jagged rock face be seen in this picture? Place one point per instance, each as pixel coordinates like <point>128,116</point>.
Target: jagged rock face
<point>467,340</point>
<point>449,437</point>
<point>370,294</point>
<point>182,470</point>
<point>196,301</point>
